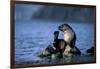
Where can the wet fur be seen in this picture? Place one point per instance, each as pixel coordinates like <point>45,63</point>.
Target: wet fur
<point>70,38</point>
<point>69,34</point>
<point>59,44</point>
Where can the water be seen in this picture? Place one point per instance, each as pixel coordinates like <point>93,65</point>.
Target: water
<point>33,36</point>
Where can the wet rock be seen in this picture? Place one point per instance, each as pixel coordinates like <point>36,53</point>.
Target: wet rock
<point>71,51</point>
<point>47,52</point>
<point>90,51</point>
<point>56,56</point>
<point>51,52</point>
<point>75,51</point>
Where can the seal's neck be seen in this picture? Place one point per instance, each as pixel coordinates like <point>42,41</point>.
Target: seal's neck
<point>65,32</point>
<point>67,36</point>
<point>56,37</point>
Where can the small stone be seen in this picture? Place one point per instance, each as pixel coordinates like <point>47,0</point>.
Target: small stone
<point>90,51</point>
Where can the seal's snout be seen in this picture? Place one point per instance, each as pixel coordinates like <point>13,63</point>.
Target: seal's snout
<point>60,28</point>
<point>64,27</point>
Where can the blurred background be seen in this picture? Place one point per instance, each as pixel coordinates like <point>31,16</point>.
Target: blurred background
<point>55,13</point>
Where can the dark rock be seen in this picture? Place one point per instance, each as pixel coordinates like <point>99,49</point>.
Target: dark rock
<point>71,51</point>
<point>47,52</point>
<point>90,51</point>
<point>50,52</point>
<point>75,51</point>
<point>56,56</point>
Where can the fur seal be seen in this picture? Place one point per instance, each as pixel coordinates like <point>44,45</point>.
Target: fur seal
<point>69,34</point>
<point>59,44</point>
<point>70,38</point>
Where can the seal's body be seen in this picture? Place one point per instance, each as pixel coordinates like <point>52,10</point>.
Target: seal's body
<point>59,44</point>
<point>70,38</point>
<point>69,34</point>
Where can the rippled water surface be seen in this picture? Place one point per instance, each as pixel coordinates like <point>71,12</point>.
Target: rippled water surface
<point>31,37</point>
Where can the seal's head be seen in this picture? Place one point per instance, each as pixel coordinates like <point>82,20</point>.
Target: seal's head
<point>64,27</point>
<point>56,33</point>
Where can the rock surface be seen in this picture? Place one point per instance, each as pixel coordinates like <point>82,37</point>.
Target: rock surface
<point>51,52</point>
<point>47,51</point>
